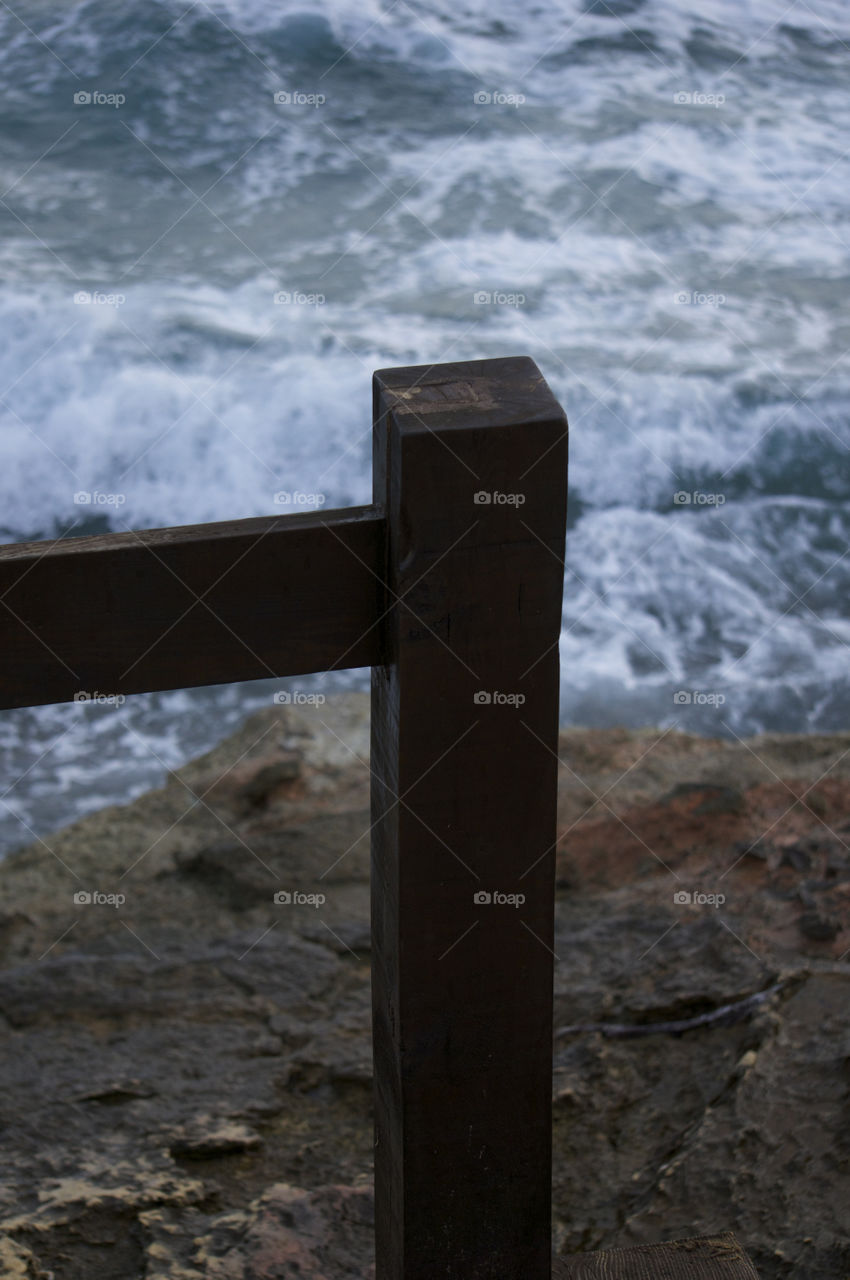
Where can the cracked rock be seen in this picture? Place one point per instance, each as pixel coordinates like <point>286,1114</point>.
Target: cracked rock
<point>186,1081</point>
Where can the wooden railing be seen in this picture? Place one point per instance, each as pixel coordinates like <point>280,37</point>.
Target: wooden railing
<point>449,586</point>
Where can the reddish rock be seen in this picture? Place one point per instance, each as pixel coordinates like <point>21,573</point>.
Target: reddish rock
<point>186,1081</point>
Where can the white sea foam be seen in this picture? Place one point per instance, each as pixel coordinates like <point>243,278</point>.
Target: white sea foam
<point>682,268</point>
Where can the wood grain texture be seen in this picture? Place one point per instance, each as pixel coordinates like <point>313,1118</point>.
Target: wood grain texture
<point>450,588</point>
<point>717,1257</point>
<point>194,605</point>
<point>463,801</point>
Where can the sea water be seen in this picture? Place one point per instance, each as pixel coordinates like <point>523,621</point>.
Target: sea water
<point>218,218</point>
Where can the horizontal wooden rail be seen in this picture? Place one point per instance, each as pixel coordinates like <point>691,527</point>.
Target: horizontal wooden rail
<point>194,605</point>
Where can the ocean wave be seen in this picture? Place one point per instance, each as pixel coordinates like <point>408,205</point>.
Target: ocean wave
<point>646,198</point>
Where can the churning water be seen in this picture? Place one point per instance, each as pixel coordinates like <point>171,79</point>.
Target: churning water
<point>264,204</point>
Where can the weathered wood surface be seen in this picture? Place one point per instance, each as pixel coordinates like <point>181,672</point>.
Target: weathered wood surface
<point>464,796</point>
<point>445,597</point>
<point>193,605</point>
<point>717,1257</point>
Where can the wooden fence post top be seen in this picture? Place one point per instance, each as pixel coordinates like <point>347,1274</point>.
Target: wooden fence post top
<point>718,1257</point>
<point>450,439</point>
<point>468,393</point>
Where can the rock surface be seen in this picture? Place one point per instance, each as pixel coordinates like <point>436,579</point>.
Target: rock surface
<point>185,1085</point>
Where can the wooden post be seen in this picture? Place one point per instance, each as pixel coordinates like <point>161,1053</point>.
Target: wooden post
<point>464,758</point>
<point>449,586</point>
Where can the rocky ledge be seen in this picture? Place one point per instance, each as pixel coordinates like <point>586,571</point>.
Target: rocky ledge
<point>185,1086</point>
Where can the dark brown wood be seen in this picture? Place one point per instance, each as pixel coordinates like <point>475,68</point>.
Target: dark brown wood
<point>464,801</point>
<point>447,598</point>
<point>194,605</point>
<point>717,1257</point>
